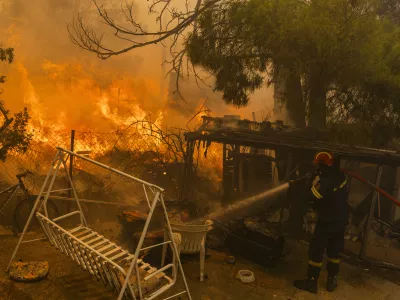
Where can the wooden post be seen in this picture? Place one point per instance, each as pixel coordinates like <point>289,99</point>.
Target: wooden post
<point>224,174</point>
<point>187,171</point>
<point>287,175</point>
<point>368,224</point>
<point>71,161</point>
<point>397,192</point>
<point>241,187</point>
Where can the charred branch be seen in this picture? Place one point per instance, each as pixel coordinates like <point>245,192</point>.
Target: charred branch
<point>173,25</point>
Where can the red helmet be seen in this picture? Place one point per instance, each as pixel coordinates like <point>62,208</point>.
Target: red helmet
<point>325,158</point>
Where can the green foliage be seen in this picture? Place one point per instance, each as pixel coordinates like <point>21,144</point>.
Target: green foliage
<point>6,55</point>
<point>346,50</point>
<point>222,45</point>
<point>15,137</point>
<point>13,132</point>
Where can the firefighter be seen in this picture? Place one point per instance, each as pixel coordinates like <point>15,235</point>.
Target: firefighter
<point>329,195</point>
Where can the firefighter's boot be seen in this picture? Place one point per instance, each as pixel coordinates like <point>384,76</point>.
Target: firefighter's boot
<point>333,270</point>
<point>331,283</point>
<point>310,284</point>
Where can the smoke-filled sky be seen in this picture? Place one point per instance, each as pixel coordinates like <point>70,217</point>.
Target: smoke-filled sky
<point>67,88</point>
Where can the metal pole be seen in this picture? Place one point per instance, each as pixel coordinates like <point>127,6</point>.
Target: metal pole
<point>111,169</point>
<point>368,224</point>
<point>71,162</point>
<point>174,247</point>
<point>38,199</point>
<point>83,218</point>
<point>139,246</point>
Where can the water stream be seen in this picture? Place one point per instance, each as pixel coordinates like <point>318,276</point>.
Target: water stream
<point>239,209</point>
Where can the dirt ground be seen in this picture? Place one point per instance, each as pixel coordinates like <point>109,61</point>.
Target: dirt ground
<point>68,281</point>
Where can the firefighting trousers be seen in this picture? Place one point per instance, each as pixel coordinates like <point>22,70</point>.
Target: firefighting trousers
<point>327,238</point>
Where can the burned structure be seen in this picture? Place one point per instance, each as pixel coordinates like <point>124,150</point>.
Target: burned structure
<point>258,154</point>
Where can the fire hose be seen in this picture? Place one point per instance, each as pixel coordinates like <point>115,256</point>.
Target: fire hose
<point>359,178</point>
<point>375,187</point>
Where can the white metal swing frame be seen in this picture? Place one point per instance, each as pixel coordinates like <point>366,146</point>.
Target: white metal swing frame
<point>90,259</point>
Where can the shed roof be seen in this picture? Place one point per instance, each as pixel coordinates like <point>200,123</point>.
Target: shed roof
<point>284,138</point>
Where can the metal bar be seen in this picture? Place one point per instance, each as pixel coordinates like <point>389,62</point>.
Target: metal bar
<point>148,277</point>
<point>139,246</point>
<point>150,247</point>
<point>160,291</point>
<point>68,247</point>
<point>173,296</point>
<point>9,189</point>
<point>88,236</point>
<point>53,179</point>
<point>83,219</point>
<point>33,211</point>
<point>10,196</point>
<point>106,247</point>
<point>66,216</point>
<point>95,239</point>
<point>45,230</point>
<point>80,234</point>
<point>65,245</point>
<point>76,229</point>
<point>74,255</point>
<point>111,169</point>
<point>99,243</point>
<point>34,240</point>
<point>368,224</point>
<point>118,255</point>
<point>139,286</point>
<point>145,193</point>
<point>97,202</point>
<point>71,161</point>
<point>112,251</point>
<point>61,190</point>
<point>174,248</point>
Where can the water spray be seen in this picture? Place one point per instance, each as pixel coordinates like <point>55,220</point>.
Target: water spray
<point>244,206</point>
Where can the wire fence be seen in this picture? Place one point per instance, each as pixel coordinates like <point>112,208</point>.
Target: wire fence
<point>142,150</point>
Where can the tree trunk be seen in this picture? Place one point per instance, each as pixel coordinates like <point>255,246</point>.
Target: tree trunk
<point>316,103</point>
<point>294,100</point>
<point>288,98</point>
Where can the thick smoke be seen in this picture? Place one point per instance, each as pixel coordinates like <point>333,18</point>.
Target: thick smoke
<point>66,88</point>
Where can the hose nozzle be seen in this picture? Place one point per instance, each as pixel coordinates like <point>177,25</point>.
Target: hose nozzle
<point>306,176</point>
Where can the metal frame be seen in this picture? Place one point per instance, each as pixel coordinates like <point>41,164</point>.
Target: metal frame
<point>368,224</point>
<point>53,231</point>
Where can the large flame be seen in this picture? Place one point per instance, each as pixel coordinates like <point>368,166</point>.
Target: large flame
<point>66,89</point>
<point>65,96</point>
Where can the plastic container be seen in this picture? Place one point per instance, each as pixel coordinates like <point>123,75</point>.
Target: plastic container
<point>245,276</point>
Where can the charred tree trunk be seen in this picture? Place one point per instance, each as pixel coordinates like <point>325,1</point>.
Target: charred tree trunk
<point>294,100</point>
<point>289,105</point>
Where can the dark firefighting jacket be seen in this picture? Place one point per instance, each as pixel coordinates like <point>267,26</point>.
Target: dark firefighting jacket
<point>330,196</point>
